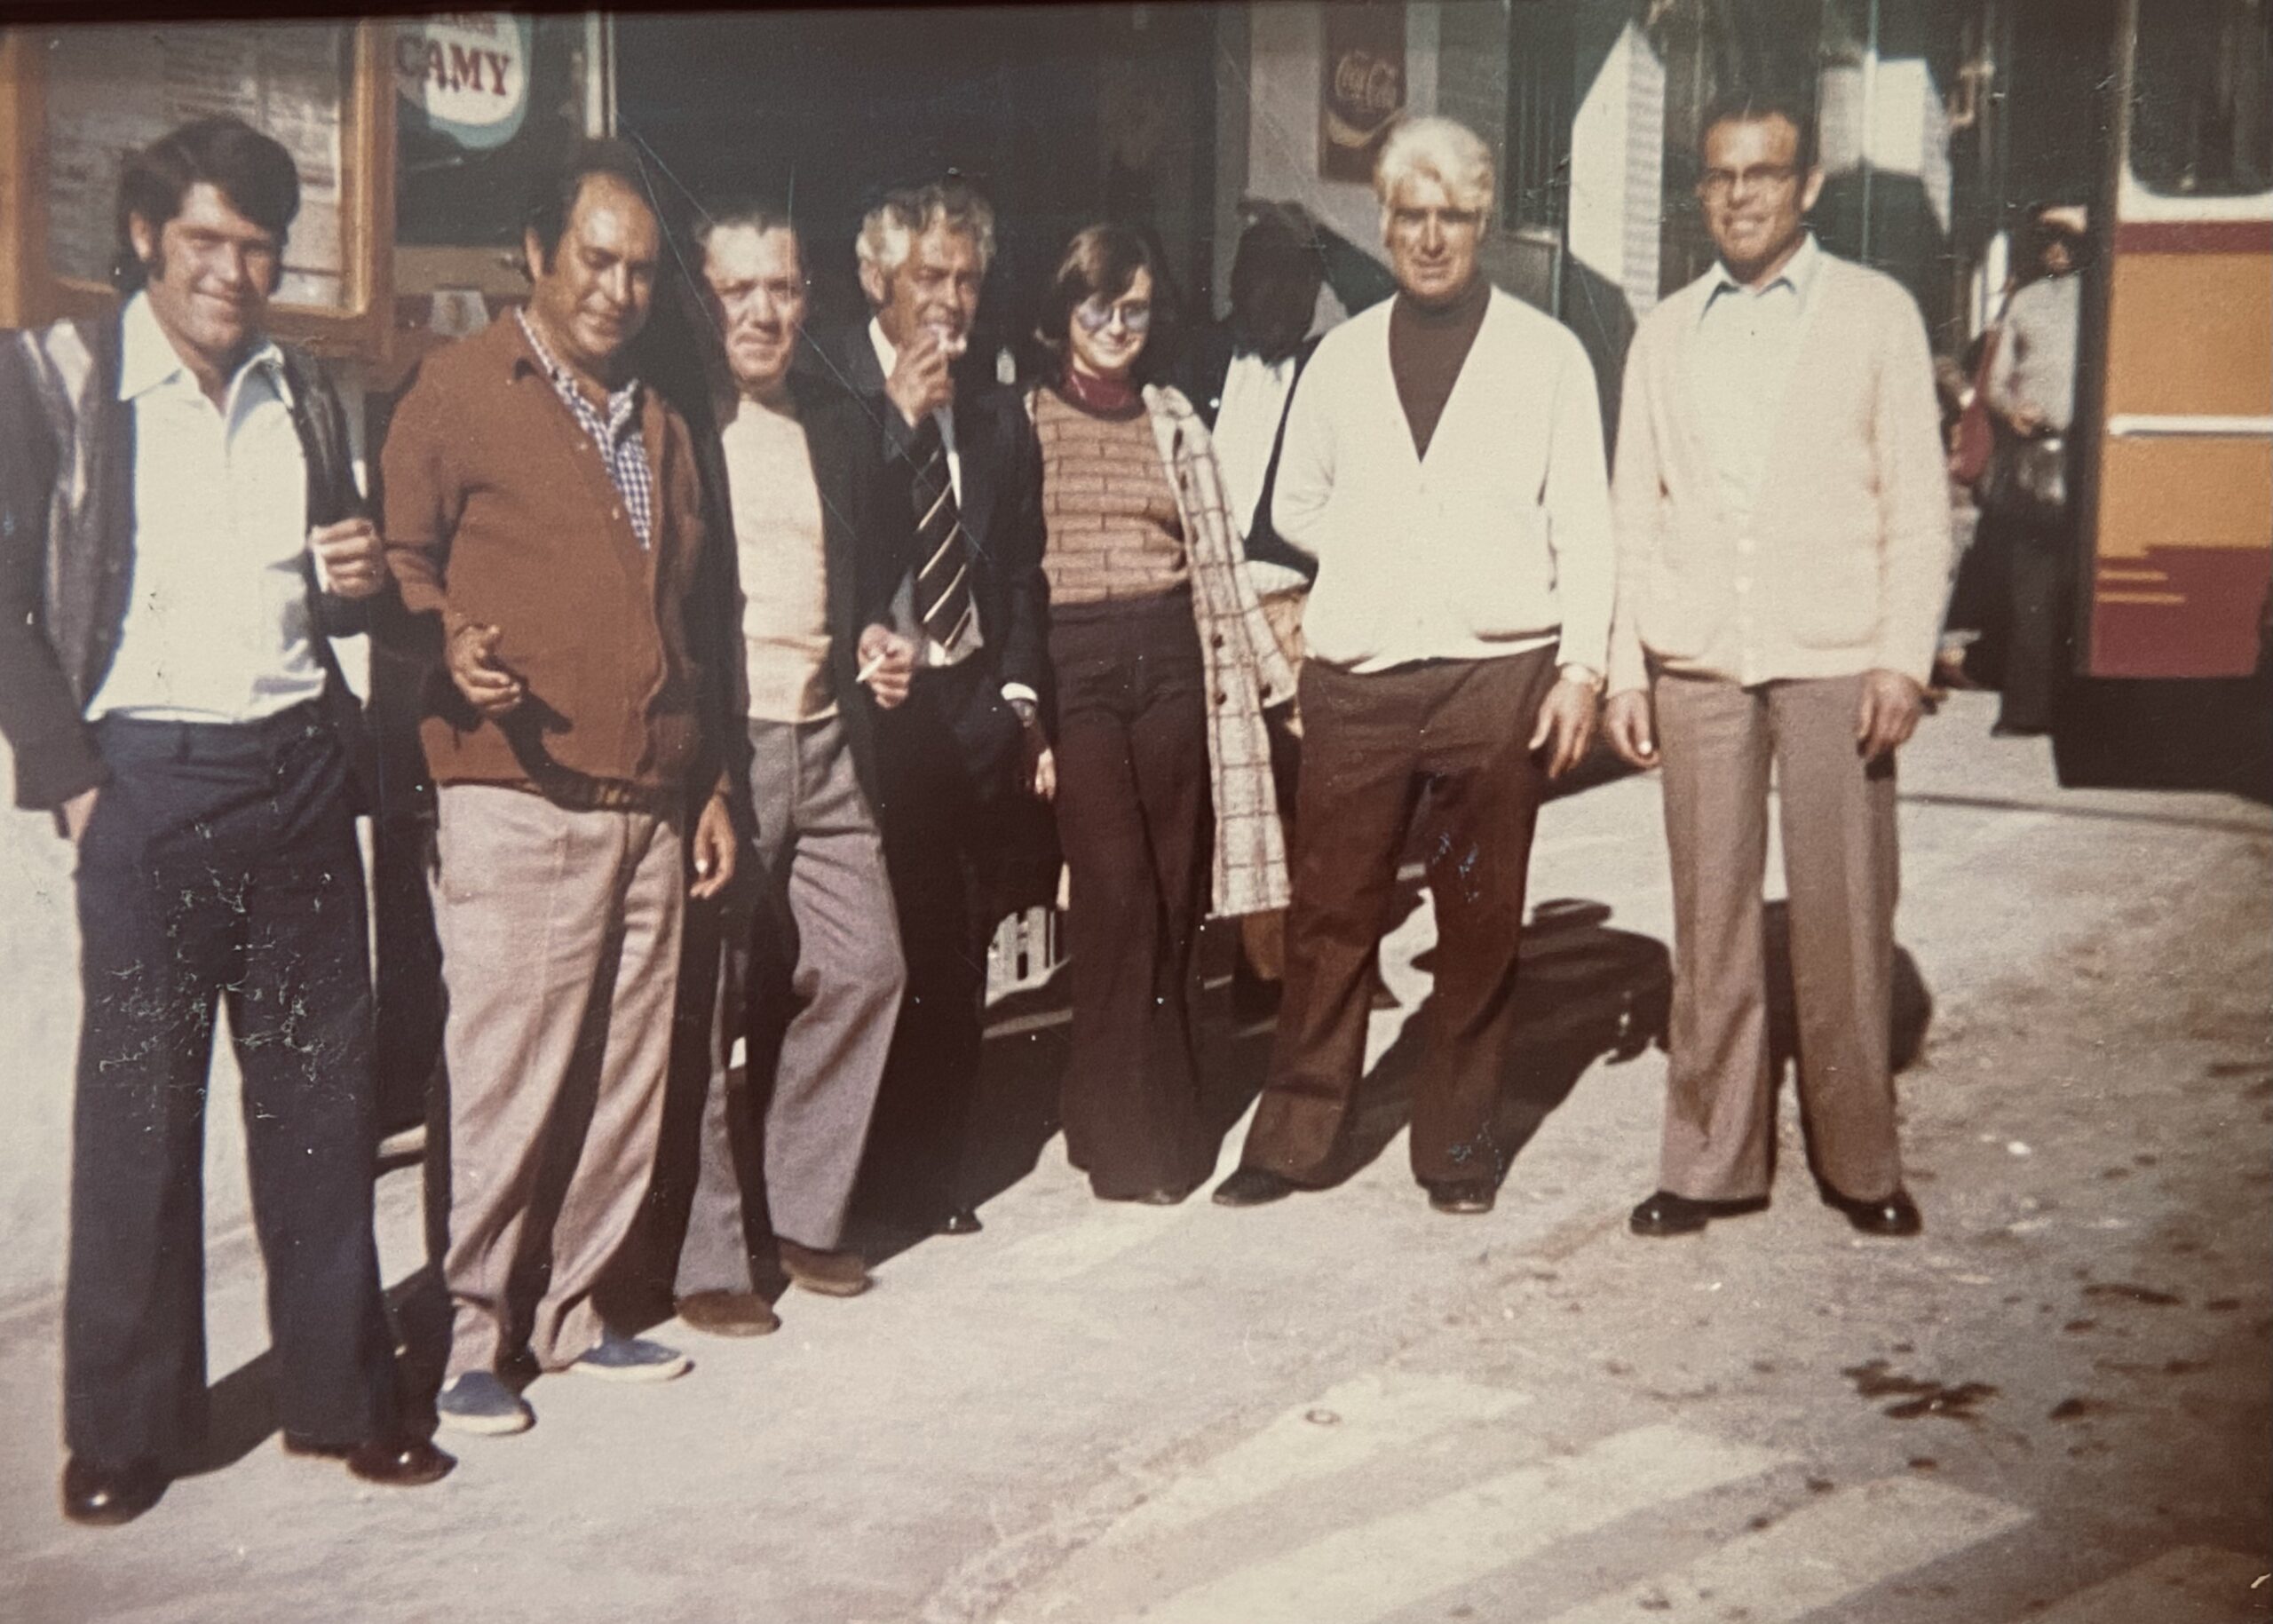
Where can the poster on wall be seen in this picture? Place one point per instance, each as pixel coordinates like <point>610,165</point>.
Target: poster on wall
<point>1362,67</point>
<point>111,90</point>
<point>486,102</point>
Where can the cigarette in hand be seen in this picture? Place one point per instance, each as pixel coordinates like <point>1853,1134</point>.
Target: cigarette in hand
<point>876,663</point>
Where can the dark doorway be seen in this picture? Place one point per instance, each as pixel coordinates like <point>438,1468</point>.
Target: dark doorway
<point>1064,114</point>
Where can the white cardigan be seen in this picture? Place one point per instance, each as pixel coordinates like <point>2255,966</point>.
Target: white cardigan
<point>1495,542</point>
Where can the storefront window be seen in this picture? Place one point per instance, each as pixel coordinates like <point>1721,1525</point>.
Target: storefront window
<point>2199,125</point>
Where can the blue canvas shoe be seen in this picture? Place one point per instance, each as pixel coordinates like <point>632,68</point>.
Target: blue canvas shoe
<point>618,1357</point>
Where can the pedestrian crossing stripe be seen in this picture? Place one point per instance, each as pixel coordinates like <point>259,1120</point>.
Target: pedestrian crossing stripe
<point>1824,1552</point>
<point>1361,1575</point>
<point>1358,1420</point>
<point>2195,1585</point>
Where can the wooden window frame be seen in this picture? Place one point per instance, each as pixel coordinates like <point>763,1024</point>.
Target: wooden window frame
<point>31,293</point>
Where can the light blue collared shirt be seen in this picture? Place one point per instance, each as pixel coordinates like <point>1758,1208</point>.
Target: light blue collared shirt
<point>1741,362</point>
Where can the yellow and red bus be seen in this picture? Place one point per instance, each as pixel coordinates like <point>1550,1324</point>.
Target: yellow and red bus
<point>2176,480</point>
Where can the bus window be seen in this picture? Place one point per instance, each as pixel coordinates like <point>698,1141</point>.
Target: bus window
<point>2200,125</point>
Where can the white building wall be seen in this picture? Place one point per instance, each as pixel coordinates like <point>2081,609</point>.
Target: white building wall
<point>1616,170</point>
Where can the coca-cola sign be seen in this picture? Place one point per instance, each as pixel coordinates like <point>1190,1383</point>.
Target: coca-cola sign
<point>1363,88</point>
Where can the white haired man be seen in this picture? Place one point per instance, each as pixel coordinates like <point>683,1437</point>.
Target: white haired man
<point>971,595</point>
<point>1457,634</point>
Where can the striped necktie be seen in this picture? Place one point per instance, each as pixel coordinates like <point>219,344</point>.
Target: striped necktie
<point>943,604</point>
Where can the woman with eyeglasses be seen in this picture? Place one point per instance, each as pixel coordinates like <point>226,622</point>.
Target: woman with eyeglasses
<point>1164,666</point>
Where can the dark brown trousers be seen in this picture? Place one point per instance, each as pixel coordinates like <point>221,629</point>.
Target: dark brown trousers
<point>1372,745</point>
<point>1135,821</point>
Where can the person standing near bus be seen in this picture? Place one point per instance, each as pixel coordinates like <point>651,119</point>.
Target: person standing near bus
<point>1784,537</point>
<point>2031,392</point>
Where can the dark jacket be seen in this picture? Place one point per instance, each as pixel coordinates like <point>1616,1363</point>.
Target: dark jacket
<point>1000,505</point>
<point>1201,372</point>
<point>867,522</point>
<point>66,542</point>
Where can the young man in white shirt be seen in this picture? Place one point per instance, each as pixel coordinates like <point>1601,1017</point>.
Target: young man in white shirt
<point>1456,638</point>
<point>184,537</point>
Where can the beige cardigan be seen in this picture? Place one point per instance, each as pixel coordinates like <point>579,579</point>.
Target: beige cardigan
<point>1844,565</point>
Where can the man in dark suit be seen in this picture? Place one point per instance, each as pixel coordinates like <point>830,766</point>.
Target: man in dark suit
<point>803,962</point>
<point>972,599</point>
<point>180,538</point>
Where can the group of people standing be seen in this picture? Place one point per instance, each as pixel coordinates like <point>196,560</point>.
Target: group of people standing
<point>730,704</point>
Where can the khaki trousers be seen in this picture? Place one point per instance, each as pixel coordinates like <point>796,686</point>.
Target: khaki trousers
<point>1718,741</point>
<point>560,941</point>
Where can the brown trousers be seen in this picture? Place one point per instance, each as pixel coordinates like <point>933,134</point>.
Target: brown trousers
<point>1135,821</point>
<point>560,947</point>
<point>1718,742</point>
<point>1371,744</point>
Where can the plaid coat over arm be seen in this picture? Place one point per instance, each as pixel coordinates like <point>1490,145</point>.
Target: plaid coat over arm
<point>1247,671</point>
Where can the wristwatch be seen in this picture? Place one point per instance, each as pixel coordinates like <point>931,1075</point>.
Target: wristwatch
<point>1586,677</point>
<point>1029,713</point>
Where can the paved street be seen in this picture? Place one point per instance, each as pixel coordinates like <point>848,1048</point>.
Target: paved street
<point>1346,1409</point>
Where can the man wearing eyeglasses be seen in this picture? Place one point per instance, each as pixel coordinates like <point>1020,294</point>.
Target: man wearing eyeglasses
<point>1783,537</point>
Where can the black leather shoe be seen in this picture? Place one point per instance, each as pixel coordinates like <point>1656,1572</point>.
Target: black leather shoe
<point>1463,1195</point>
<point>1892,1215</point>
<point>105,1496</point>
<point>1253,1187</point>
<point>396,1462</point>
<point>961,1221</point>
<point>1667,1214</point>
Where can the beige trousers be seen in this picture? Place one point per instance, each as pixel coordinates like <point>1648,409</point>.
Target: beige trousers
<point>560,943</point>
<point>1718,742</point>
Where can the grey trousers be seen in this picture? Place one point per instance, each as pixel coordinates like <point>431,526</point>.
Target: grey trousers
<point>1840,869</point>
<point>561,934</point>
<point>816,961</point>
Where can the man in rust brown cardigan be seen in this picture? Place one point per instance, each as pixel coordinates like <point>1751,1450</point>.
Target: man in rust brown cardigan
<point>543,518</point>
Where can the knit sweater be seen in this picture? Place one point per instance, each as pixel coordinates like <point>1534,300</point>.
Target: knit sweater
<point>1113,528</point>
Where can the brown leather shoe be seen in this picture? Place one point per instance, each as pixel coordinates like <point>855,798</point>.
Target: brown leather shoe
<point>728,1313</point>
<point>105,1496</point>
<point>396,1462</point>
<point>833,1274</point>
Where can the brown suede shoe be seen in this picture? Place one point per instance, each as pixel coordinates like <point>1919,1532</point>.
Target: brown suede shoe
<point>833,1274</point>
<point>728,1313</point>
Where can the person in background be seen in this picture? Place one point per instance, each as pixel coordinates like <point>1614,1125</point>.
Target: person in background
<point>2031,394</point>
<point>1784,538</point>
<point>970,596</point>
<point>1240,376</point>
<point>545,518</point>
<point>192,737</point>
<point>802,961</point>
<point>1443,462</point>
<point>1163,664</point>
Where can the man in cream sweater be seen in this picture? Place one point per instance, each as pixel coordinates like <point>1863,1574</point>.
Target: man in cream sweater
<point>1443,462</point>
<point>1783,535</point>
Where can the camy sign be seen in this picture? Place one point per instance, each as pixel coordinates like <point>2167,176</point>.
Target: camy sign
<point>465,75</point>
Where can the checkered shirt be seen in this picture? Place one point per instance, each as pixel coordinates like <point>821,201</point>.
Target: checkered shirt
<point>617,435</point>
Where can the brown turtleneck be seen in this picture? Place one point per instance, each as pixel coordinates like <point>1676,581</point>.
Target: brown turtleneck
<point>1428,345</point>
